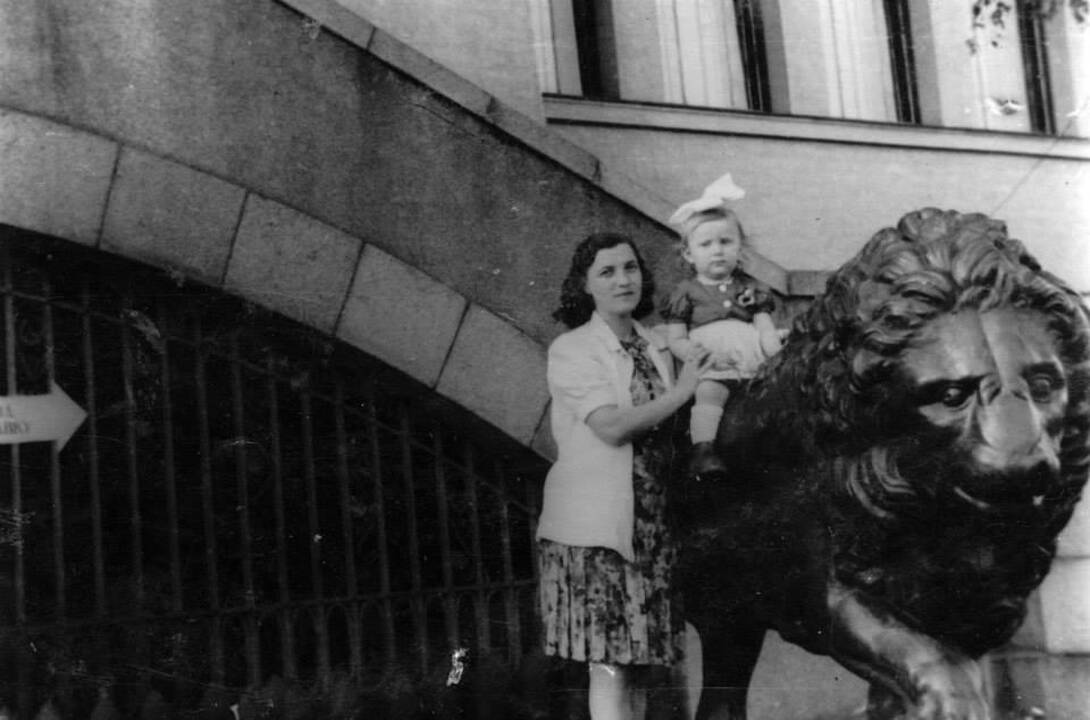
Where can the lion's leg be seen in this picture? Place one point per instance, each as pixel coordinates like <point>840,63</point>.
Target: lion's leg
<point>730,654</point>
<point>934,682</point>
<point>883,705</point>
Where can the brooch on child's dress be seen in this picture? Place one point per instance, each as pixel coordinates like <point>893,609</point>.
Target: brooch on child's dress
<point>747,297</point>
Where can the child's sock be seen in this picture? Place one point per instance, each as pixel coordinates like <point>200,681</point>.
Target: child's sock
<point>704,422</point>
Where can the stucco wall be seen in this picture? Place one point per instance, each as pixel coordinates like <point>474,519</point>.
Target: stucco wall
<point>203,133</point>
<point>484,41</point>
<point>244,91</point>
<point>810,205</point>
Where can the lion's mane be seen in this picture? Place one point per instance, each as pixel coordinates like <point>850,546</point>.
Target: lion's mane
<point>830,388</point>
<point>827,417</point>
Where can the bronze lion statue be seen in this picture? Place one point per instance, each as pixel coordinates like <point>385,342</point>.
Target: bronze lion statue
<point>899,472</point>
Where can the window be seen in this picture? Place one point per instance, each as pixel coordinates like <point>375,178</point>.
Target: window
<point>702,56</point>
<point>857,55</point>
<point>552,24</point>
<point>928,62</point>
<point>902,61</point>
<point>999,75</point>
<point>1035,66</point>
<point>982,65</point>
<point>705,53</point>
<point>594,41</point>
<point>751,40</point>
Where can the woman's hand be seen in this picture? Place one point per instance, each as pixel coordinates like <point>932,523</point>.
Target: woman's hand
<point>728,360</point>
<point>616,425</point>
<point>696,364</point>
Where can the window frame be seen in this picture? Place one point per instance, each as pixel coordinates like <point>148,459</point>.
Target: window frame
<point>902,59</point>
<point>751,36</point>
<point>1035,66</point>
<point>603,79</point>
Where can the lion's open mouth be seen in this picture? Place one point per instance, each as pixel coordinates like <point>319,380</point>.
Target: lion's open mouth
<point>1005,504</point>
<point>1016,491</point>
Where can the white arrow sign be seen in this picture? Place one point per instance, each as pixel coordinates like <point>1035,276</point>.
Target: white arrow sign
<point>37,418</point>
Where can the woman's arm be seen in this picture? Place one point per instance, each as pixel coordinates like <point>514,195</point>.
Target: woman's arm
<point>617,426</point>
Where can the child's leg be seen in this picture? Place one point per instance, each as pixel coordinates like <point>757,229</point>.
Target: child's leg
<point>711,396</point>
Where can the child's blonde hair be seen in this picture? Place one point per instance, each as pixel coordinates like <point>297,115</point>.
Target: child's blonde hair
<point>686,228</point>
<point>711,205</point>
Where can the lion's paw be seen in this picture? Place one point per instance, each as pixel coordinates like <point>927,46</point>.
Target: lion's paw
<point>949,691</point>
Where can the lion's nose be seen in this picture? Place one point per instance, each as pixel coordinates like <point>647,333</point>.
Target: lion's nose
<point>1013,435</point>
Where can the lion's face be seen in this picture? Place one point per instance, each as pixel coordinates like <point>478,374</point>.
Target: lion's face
<point>991,383</point>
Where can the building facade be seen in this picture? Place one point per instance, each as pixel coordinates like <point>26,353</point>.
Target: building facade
<point>837,117</point>
<point>402,183</point>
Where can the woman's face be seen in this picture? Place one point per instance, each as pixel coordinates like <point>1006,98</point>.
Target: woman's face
<point>614,281</point>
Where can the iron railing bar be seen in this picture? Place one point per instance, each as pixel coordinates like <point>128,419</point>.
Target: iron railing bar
<point>251,640</point>
<point>418,445</point>
<point>168,467</point>
<point>55,466</point>
<point>60,303</point>
<point>510,498</point>
<point>35,297</point>
<point>287,632</point>
<point>94,480</point>
<point>368,599</point>
<point>419,612</point>
<point>450,610</point>
<point>531,503</point>
<point>380,507</point>
<point>216,649</point>
<point>136,522</point>
<point>314,539</point>
<point>355,625</point>
<point>480,601</point>
<point>535,628</point>
<point>514,639</point>
<point>213,350</point>
<point>16,463</point>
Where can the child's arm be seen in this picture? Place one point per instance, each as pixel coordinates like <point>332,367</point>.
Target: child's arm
<point>677,339</point>
<point>676,313</point>
<point>766,331</point>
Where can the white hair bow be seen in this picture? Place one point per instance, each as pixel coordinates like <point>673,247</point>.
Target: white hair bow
<point>715,195</point>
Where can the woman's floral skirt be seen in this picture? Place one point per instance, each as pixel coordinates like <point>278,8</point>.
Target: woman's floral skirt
<point>598,607</point>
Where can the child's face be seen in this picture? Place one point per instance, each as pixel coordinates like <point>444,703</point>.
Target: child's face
<point>714,248</point>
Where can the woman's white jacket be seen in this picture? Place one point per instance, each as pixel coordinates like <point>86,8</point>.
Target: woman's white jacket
<point>588,499</point>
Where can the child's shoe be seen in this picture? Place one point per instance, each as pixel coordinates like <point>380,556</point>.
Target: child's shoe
<point>705,463</point>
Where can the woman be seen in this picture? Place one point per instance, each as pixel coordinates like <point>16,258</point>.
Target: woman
<point>605,552</point>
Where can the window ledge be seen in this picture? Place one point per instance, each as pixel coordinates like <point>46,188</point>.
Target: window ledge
<point>563,110</point>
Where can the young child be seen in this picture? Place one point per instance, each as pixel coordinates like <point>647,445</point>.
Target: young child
<point>720,309</point>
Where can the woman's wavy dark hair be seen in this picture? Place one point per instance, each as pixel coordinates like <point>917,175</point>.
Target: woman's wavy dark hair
<point>576,305</point>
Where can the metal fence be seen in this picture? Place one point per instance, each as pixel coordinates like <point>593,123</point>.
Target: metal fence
<point>245,500</point>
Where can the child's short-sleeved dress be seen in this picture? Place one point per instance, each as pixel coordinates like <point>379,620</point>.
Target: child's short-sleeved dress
<point>598,607</point>
<point>720,317</point>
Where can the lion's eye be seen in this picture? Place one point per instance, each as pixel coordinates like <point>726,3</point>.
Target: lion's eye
<point>1041,388</point>
<point>955,395</point>
<point>951,393</point>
